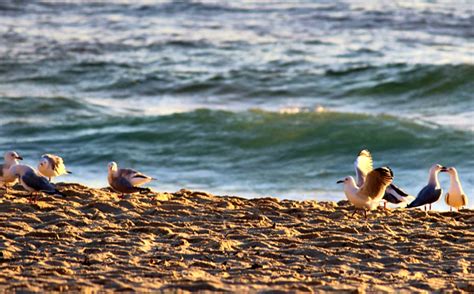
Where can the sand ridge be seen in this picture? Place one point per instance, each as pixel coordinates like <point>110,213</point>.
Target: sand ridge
<point>188,241</point>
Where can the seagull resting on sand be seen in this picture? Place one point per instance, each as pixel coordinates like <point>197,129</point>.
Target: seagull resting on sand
<point>52,166</point>
<point>368,196</point>
<point>6,177</point>
<point>126,180</point>
<point>393,194</point>
<point>455,197</point>
<point>33,182</point>
<point>432,191</point>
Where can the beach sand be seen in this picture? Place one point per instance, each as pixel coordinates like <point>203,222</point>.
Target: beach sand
<point>188,241</point>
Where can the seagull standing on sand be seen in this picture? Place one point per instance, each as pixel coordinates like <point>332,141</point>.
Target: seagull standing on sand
<point>52,166</point>
<point>6,177</point>
<point>126,180</point>
<point>393,194</point>
<point>431,192</point>
<point>455,197</point>
<point>368,196</point>
<point>33,182</point>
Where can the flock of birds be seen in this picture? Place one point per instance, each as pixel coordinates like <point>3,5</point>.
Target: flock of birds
<point>375,185</point>
<point>122,180</point>
<point>372,185</point>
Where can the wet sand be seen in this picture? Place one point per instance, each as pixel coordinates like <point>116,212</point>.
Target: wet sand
<point>188,241</point>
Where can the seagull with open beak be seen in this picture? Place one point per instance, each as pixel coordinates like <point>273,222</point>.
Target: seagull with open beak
<point>455,197</point>
<point>432,191</point>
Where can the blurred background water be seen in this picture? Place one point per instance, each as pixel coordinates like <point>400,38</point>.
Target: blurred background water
<point>253,98</point>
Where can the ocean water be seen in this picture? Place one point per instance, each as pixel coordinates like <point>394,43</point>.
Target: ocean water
<point>249,98</point>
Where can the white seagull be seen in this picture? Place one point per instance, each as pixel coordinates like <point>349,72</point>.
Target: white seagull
<point>393,194</point>
<point>52,166</point>
<point>368,196</point>
<point>6,177</point>
<point>455,197</point>
<point>125,180</point>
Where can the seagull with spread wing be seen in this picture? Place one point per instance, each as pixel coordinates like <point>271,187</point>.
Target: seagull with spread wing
<point>393,194</point>
<point>368,196</point>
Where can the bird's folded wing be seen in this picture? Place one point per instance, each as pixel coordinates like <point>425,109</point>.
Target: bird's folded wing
<point>36,182</point>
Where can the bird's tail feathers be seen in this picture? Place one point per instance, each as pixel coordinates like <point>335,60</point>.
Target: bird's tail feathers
<point>69,172</point>
<point>55,192</point>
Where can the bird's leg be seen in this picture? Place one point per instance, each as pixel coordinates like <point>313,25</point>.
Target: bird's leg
<point>430,206</point>
<point>365,214</point>
<point>450,209</point>
<point>385,205</point>
<point>32,198</point>
<point>425,207</point>
<point>355,210</point>
<point>49,178</point>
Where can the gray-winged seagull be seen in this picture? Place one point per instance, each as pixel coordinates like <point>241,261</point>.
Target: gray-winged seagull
<point>33,182</point>
<point>126,181</point>
<point>432,191</point>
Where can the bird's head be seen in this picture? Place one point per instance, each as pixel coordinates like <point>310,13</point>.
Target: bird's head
<point>11,157</point>
<point>436,168</point>
<point>346,180</point>
<point>43,163</point>
<point>451,170</point>
<point>112,166</point>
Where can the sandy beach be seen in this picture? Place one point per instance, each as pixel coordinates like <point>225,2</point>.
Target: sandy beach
<point>188,241</point>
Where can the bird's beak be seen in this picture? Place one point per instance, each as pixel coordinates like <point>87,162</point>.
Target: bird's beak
<point>443,169</point>
<point>19,157</point>
<point>340,182</point>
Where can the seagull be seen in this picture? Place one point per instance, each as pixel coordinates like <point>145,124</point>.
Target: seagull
<point>126,180</point>
<point>432,191</point>
<point>368,196</point>
<point>11,158</point>
<point>33,182</point>
<point>455,197</point>
<point>52,166</point>
<point>363,165</point>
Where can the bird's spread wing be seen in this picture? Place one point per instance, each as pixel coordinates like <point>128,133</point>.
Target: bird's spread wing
<point>37,183</point>
<point>376,182</point>
<point>363,165</point>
